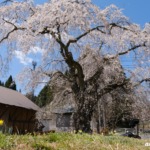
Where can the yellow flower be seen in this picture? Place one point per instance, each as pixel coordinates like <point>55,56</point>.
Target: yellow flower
<point>80,131</point>
<point>1,122</point>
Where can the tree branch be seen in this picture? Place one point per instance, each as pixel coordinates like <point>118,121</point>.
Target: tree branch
<point>112,25</point>
<point>6,37</point>
<point>74,66</point>
<point>84,34</point>
<point>14,29</point>
<point>131,49</point>
<point>143,80</point>
<point>127,51</point>
<point>112,87</point>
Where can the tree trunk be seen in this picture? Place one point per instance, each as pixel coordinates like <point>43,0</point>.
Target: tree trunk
<point>83,115</point>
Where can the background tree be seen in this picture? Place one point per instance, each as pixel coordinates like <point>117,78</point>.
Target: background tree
<point>1,83</point>
<point>8,81</point>
<point>44,97</point>
<point>13,86</point>
<point>31,96</point>
<point>121,108</point>
<point>62,30</point>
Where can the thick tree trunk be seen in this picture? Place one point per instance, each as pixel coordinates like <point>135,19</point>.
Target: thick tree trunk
<point>85,107</point>
<point>83,115</point>
<point>82,121</point>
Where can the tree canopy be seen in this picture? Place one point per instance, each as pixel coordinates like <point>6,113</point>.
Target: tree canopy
<point>61,30</point>
<point>8,82</point>
<point>44,97</point>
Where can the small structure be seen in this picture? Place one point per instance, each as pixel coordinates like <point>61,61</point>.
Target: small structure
<point>57,121</point>
<point>17,111</point>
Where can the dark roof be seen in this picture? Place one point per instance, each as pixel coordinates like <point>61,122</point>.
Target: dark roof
<point>14,98</point>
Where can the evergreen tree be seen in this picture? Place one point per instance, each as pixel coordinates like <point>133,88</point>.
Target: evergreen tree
<point>8,82</point>
<point>13,85</point>
<point>31,96</point>
<point>45,96</point>
<point>1,83</point>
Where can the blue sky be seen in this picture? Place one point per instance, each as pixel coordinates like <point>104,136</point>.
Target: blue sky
<point>137,10</point>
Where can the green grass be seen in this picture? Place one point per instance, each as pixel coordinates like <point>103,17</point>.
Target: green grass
<point>69,141</point>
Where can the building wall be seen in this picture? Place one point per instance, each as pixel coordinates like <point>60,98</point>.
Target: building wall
<point>21,120</point>
<point>63,122</point>
<point>49,124</point>
<point>58,122</point>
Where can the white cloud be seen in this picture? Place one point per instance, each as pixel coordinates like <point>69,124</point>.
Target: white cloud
<point>23,58</point>
<point>36,50</point>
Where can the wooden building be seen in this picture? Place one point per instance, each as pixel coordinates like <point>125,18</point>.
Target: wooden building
<point>17,112</point>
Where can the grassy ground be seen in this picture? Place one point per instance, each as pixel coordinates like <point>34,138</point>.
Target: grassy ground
<point>68,141</point>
